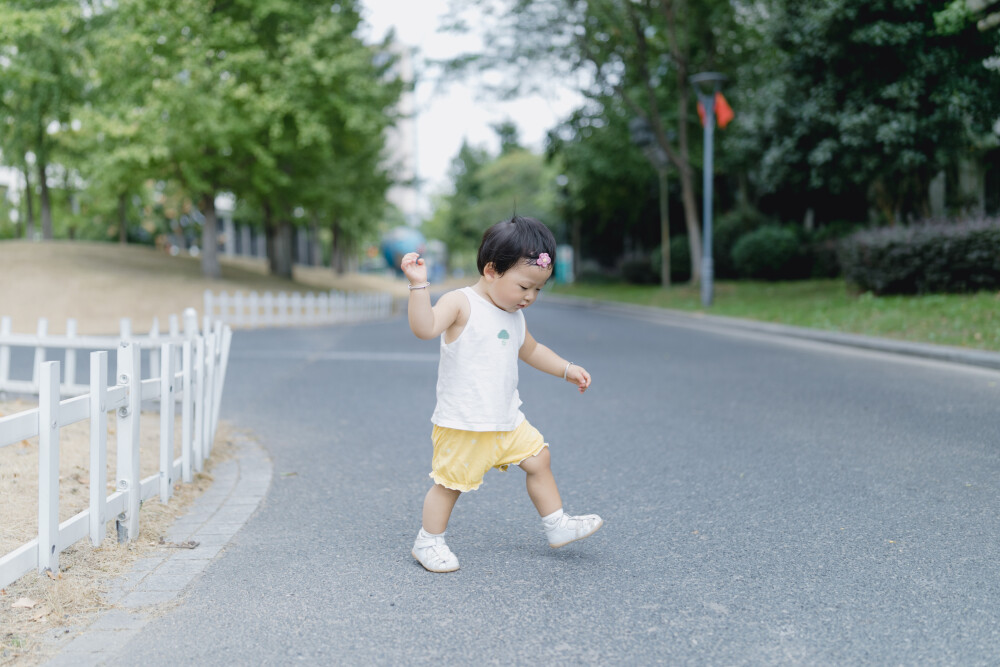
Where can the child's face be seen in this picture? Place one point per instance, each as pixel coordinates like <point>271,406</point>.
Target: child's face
<point>516,289</point>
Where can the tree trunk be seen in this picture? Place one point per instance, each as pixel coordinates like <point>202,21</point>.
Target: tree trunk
<point>29,225</point>
<point>691,220</point>
<point>337,258</point>
<point>664,230</point>
<point>46,203</point>
<point>210,239</point>
<point>315,248</point>
<point>122,219</point>
<point>879,195</point>
<point>279,246</point>
<point>270,234</point>
<point>577,240</point>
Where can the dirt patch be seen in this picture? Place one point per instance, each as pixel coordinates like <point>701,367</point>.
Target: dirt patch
<point>99,283</point>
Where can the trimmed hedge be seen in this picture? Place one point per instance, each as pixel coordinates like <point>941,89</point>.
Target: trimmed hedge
<point>640,271</point>
<point>727,229</point>
<point>957,257</point>
<point>823,246</point>
<point>646,270</point>
<point>768,253</point>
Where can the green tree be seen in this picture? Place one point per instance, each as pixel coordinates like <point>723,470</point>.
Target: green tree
<point>864,94</point>
<point>642,51</point>
<point>454,221</point>
<point>42,76</point>
<point>317,103</point>
<point>277,102</point>
<point>488,189</point>
<point>609,183</point>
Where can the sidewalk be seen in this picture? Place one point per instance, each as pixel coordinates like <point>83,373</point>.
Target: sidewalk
<point>957,355</point>
<point>214,518</point>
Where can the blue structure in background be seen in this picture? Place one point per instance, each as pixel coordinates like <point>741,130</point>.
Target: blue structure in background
<point>399,241</point>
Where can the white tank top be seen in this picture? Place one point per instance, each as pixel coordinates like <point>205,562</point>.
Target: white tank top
<point>477,373</point>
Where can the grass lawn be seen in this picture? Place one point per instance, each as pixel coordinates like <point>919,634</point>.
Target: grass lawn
<point>965,320</point>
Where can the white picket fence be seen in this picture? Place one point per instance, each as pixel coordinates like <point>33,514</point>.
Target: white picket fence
<point>189,368</point>
<point>269,310</point>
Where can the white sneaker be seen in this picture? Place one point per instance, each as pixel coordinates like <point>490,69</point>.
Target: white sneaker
<point>568,529</point>
<point>432,552</point>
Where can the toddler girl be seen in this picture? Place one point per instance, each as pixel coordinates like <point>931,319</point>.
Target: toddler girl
<point>477,422</point>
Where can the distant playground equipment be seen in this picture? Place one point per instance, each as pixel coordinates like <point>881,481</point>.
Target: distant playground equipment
<point>564,265</point>
<point>401,240</point>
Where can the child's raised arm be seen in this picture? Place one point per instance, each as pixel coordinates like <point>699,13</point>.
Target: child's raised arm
<point>428,322</point>
<point>544,359</point>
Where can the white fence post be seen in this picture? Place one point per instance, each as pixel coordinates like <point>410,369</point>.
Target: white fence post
<point>267,317</point>
<point>190,323</point>
<point>128,441</point>
<point>175,333</point>
<point>223,306</point>
<point>186,407</point>
<point>166,424</point>
<point>69,372</point>
<point>154,351</point>
<point>5,327</point>
<point>225,340</point>
<point>323,306</point>
<point>208,394</point>
<point>208,302</point>
<point>254,306</point>
<point>43,331</point>
<point>48,467</point>
<point>282,308</point>
<point>199,401</point>
<point>238,308</point>
<point>98,445</point>
<point>310,303</point>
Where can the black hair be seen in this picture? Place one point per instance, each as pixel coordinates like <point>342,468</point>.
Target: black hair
<point>510,241</point>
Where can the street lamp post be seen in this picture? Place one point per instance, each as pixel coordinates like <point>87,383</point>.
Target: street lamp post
<point>706,85</point>
<point>643,137</point>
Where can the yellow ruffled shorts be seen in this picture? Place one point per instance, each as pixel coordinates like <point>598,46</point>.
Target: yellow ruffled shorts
<point>462,458</point>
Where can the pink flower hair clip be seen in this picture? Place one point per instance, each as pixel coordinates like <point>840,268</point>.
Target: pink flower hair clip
<point>543,260</point>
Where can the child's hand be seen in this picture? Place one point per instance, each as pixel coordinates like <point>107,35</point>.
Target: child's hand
<point>414,268</point>
<point>579,376</point>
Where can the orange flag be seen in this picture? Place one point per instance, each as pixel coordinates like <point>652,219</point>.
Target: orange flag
<point>723,112</point>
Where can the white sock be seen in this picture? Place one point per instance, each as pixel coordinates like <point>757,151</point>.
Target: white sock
<point>425,535</point>
<point>552,518</point>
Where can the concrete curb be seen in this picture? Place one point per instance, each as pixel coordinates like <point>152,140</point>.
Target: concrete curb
<point>213,520</point>
<point>956,355</point>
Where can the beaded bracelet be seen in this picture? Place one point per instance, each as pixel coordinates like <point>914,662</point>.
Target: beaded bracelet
<point>420,286</point>
<point>566,370</point>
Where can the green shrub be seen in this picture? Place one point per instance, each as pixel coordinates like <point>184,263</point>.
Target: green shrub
<point>823,247</point>
<point>727,230</point>
<point>680,259</point>
<point>768,253</point>
<point>956,257</point>
<point>640,271</point>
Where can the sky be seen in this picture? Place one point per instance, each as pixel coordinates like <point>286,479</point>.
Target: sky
<point>447,115</point>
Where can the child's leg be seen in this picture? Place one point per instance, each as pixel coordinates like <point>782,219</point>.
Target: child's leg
<point>541,484</point>
<point>438,504</point>
<point>430,548</point>
<point>560,528</point>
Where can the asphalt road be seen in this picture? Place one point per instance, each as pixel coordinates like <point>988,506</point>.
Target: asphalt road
<point>766,502</point>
